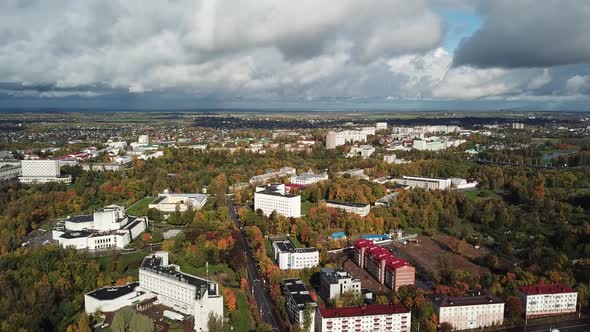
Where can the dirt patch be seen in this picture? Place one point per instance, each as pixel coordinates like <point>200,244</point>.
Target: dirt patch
<point>427,253</point>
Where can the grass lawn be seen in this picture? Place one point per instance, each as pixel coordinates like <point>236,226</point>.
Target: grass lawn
<point>477,194</point>
<point>215,272</point>
<point>306,206</point>
<point>296,242</point>
<point>245,322</point>
<point>130,262</point>
<point>140,207</point>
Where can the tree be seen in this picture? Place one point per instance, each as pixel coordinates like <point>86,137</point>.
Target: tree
<point>307,317</point>
<point>513,307</point>
<point>230,299</point>
<point>215,323</point>
<point>445,327</point>
<point>140,323</point>
<point>382,299</point>
<point>84,323</point>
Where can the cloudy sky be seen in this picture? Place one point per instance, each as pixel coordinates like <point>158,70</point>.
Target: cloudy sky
<point>390,54</point>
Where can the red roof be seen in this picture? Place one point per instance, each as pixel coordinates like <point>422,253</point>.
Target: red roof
<point>368,310</point>
<point>362,243</point>
<point>396,263</point>
<point>545,289</point>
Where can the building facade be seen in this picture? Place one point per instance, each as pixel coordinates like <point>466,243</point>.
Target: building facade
<point>290,258</point>
<point>360,209</point>
<point>42,171</point>
<point>271,175</point>
<point>377,318</point>
<point>168,202</point>
<point>9,172</point>
<point>335,282</point>
<point>298,301</point>
<point>385,267</point>
<point>308,178</point>
<point>182,292</point>
<point>424,183</point>
<point>548,300</point>
<point>274,198</point>
<point>478,310</point>
<point>335,139</point>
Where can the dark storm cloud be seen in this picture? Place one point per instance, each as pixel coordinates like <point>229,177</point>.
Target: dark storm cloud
<point>529,33</point>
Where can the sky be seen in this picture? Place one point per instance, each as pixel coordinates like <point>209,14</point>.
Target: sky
<point>317,54</point>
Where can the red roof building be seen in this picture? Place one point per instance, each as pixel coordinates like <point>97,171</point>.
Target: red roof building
<point>383,265</point>
<point>548,300</point>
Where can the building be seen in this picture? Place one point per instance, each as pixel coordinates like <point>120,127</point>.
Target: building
<point>274,198</point>
<point>462,184</point>
<point>168,202</point>
<point>113,298</point>
<point>360,209</point>
<point>381,126</point>
<point>477,310</point>
<point>42,171</point>
<point>334,139</point>
<point>143,139</point>
<point>290,258</point>
<point>357,173</point>
<point>272,174</point>
<point>517,125</point>
<point>385,267</point>
<point>182,292</point>
<point>335,282</point>
<point>548,300</point>
<point>436,144</point>
<point>308,177</point>
<point>364,151</point>
<point>8,172</point>
<point>424,183</point>
<point>298,301</point>
<point>377,318</point>
<point>106,228</point>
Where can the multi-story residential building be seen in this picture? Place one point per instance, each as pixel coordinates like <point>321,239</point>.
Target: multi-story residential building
<point>377,318</point>
<point>8,172</point>
<point>380,125</point>
<point>517,125</point>
<point>335,282</point>
<point>424,183</point>
<point>548,300</point>
<point>334,139</point>
<point>308,178</point>
<point>274,198</point>
<point>290,258</point>
<point>272,174</point>
<point>477,310</point>
<point>168,202</point>
<point>42,171</point>
<point>106,228</point>
<point>182,292</point>
<point>385,267</point>
<point>360,209</point>
<point>364,151</point>
<point>298,302</point>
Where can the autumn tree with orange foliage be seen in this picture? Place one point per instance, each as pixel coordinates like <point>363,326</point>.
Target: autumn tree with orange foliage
<point>230,299</point>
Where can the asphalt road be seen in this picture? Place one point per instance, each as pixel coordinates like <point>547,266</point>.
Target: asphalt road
<point>573,325</point>
<point>255,279</point>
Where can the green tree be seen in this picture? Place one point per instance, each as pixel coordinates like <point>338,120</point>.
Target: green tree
<point>84,323</point>
<point>215,323</point>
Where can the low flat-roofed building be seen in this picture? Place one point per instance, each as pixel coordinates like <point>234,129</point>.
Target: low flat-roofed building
<point>376,318</point>
<point>113,298</point>
<point>335,282</point>
<point>9,172</point>
<point>424,183</point>
<point>290,258</point>
<point>477,310</point>
<point>364,151</point>
<point>360,209</point>
<point>168,202</point>
<point>548,300</point>
<point>308,178</point>
<point>298,298</point>
<point>272,174</point>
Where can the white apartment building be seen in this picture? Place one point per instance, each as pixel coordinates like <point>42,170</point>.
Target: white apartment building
<point>381,126</point>
<point>360,209</point>
<point>273,198</point>
<point>113,298</point>
<point>376,318</point>
<point>290,258</point>
<point>106,228</point>
<point>335,282</point>
<point>478,310</point>
<point>143,139</point>
<point>182,292</point>
<point>308,178</point>
<point>334,139</point>
<point>424,183</point>
<point>298,299</point>
<point>364,151</point>
<point>42,171</point>
<point>168,202</point>
<point>270,175</point>
<point>436,145</point>
<point>548,300</point>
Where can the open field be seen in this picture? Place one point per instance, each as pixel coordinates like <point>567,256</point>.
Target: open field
<point>426,255</point>
<point>140,207</point>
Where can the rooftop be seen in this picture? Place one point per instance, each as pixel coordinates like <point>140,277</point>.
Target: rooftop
<point>83,218</point>
<point>545,289</point>
<point>478,298</point>
<point>351,204</point>
<point>367,310</point>
<point>113,292</point>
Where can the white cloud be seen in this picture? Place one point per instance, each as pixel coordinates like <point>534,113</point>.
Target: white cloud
<point>577,84</point>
